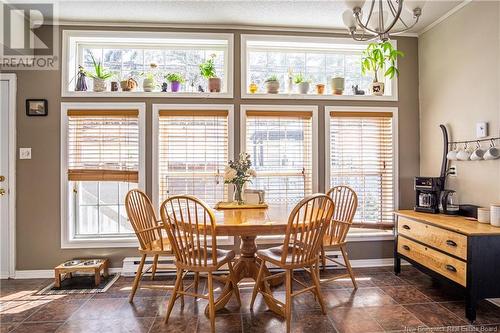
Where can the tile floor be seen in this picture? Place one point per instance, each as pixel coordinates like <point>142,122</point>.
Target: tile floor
<point>384,302</point>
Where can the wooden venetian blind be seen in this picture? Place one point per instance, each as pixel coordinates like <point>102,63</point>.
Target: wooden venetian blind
<point>103,145</point>
<point>280,146</point>
<point>361,156</point>
<point>193,152</point>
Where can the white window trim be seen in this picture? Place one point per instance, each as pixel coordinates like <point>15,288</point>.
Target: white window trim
<point>69,55</point>
<point>68,240</point>
<point>395,145</point>
<point>222,240</point>
<point>244,56</point>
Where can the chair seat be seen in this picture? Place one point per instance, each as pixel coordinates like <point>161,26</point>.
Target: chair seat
<point>155,246</point>
<point>274,254</point>
<point>223,256</point>
<point>331,241</point>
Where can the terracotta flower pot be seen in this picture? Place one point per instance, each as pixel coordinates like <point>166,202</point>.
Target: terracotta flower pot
<point>214,84</point>
<point>320,89</point>
<point>272,87</point>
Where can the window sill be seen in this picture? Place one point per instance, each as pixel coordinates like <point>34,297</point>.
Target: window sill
<point>246,95</point>
<point>155,94</point>
<point>94,243</point>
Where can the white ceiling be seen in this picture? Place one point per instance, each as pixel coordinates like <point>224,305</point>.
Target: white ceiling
<point>326,14</point>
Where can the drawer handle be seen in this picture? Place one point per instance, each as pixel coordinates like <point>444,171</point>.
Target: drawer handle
<point>407,227</point>
<point>406,247</point>
<point>451,243</point>
<point>451,268</point>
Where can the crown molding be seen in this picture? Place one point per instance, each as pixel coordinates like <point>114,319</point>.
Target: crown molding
<point>101,24</point>
<point>444,17</point>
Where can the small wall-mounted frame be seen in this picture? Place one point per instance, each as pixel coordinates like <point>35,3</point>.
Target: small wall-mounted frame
<point>36,107</point>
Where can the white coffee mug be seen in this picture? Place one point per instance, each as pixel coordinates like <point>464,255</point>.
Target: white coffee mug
<point>452,154</point>
<point>483,215</point>
<point>464,154</point>
<point>495,215</point>
<point>492,153</point>
<point>477,154</point>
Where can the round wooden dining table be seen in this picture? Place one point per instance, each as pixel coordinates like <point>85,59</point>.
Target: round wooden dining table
<point>248,224</point>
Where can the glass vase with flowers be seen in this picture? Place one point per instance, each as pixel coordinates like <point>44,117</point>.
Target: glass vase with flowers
<point>238,173</point>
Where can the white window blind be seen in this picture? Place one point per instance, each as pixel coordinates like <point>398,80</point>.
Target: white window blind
<point>193,151</point>
<point>280,146</point>
<point>103,165</point>
<point>361,156</point>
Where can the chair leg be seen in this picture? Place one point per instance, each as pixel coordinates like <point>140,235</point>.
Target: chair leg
<point>211,304</point>
<point>173,298</point>
<point>234,282</point>
<point>288,300</point>
<point>315,278</point>
<point>323,258</point>
<point>257,283</point>
<point>196,281</point>
<point>181,288</point>
<point>137,280</point>
<point>348,266</point>
<point>155,266</point>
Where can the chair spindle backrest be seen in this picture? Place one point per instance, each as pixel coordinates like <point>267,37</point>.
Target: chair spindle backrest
<point>346,203</point>
<point>142,216</point>
<point>190,226</point>
<point>307,224</point>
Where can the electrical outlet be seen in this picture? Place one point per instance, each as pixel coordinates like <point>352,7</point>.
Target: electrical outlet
<point>452,171</point>
<point>25,153</point>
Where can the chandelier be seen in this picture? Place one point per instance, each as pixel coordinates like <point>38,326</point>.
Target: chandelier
<point>381,20</point>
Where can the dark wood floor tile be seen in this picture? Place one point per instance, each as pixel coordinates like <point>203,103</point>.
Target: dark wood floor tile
<point>230,323</point>
<point>129,325</point>
<point>387,279</point>
<point>486,312</point>
<point>17,311</point>
<point>176,324</point>
<point>262,322</point>
<point>353,320</point>
<point>406,294</point>
<point>443,293</point>
<point>308,322</point>
<point>7,327</point>
<point>435,315</point>
<point>141,307</point>
<point>37,327</point>
<point>98,309</point>
<point>370,297</point>
<point>58,310</point>
<point>395,317</point>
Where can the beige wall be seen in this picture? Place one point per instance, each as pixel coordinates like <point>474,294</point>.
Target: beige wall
<point>38,195</point>
<point>459,86</point>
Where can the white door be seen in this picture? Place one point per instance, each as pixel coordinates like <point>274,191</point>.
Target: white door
<point>7,95</point>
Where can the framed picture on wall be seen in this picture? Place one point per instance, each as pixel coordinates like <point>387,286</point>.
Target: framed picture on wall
<point>36,107</point>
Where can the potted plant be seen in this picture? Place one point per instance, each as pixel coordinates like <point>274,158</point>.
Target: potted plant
<point>175,80</point>
<point>207,70</point>
<point>380,58</point>
<point>148,84</point>
<point>238,173</point>
<point>302,83</point>
<point>338,85</point>
<point>272,84</point>
<point>99,76</point>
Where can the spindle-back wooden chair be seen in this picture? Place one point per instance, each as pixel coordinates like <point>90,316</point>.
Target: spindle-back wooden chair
<point>190,226</point>
<point>346,203</point>
<point>307,224</point>
<point>148,230</point>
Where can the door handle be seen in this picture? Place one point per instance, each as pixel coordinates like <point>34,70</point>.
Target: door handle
<point>2,191</point>
<point>406,247</point>
<point>451,268</point>
<point>451,243</point>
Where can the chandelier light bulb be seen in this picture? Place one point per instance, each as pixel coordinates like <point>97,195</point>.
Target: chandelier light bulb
<point>351,4</point>
<point>348,19</point>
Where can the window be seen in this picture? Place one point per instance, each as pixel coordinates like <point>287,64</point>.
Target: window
<point>130,54</point>
<point>361,155</point>
<point>193,147</point>
<point>318,59</point>
<point>102,160</point>
<point>281,144</point>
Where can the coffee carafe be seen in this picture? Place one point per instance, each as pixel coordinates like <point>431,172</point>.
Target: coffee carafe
<point>448,203</point>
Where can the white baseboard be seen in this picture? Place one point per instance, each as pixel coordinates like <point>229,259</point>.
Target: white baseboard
<point>47,273</point>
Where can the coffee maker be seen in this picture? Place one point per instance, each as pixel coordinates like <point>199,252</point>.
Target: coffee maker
<point>427,192</point>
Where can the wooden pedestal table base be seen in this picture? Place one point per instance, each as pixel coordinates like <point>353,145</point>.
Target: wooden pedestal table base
<point>247,266</point>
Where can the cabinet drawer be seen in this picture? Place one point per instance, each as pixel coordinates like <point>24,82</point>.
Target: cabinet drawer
<point>442,239</point>
<point>452,268</point>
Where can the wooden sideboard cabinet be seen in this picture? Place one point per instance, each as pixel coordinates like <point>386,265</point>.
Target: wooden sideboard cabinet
<point>463,252</point>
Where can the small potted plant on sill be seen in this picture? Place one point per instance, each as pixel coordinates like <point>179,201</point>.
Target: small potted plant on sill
<point>207,70</point>
<point>99,76</point>
<point>148,84</point>
<point>380,58</point>
<point>302,83</point>
<point>175,80</point>
<point>238,173</point>
<point>272,84</point>
<point>338,83</point>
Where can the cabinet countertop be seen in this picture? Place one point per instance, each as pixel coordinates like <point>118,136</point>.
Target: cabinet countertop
<point>455,223</point>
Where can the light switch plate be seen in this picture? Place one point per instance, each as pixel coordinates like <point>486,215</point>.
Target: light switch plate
<point>25,153</point>
<point>481,129</point>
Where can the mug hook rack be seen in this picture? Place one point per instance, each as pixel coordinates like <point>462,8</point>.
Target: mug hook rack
<point>475,141</point>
